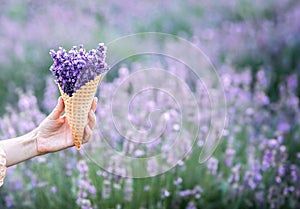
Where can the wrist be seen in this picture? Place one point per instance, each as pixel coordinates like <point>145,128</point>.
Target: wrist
<point>33,137</point>
<point>20,149</point>
<point>28,143</point>
<point>40,144</point>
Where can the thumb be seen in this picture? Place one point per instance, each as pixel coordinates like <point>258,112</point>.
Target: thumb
<point>58,110</point>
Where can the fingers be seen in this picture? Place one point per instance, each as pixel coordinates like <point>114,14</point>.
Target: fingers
<point>94,104</point>
<point>88,131</point>
<point>92,120</point>
<point>58,110</point>
<point>87,134</point>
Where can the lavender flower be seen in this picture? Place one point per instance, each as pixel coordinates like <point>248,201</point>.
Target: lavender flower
<point>229,156</point>
<point>185,193</point>
<point>128,189</point>
<point>234,178</point>
<point>212,165</point>
<point>77,67</point>
<point>106,191</point>
<point>191,205</point>
<point>9,201</point>
<point>86,189</point>
<point>164,193</point>
<point>178,181</point>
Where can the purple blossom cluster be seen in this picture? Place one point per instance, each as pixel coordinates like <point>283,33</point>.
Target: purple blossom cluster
<point>77,67</point>
<point>86,189</point>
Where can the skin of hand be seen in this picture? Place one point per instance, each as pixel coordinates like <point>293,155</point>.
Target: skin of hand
<point>54,133</point>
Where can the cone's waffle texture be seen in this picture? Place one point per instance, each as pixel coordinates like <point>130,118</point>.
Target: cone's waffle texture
<point>77,108</point>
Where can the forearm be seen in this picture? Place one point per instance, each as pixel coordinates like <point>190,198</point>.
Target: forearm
<point>20,149</point>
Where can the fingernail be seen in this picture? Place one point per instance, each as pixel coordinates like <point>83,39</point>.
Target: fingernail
<point>96,99</point>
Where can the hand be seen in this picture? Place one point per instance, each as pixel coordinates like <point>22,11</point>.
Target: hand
<point>54,133</point>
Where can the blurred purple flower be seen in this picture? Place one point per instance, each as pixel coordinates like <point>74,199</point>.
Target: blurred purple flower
<point>294,174</point>
<point>281,170</point>
<point>128,189</point>
<point>106,190</point>
<point>197,191</point>
<point>185,193</point>
<point>53,189</point>
<point>234,177</point>
<point>292,82</point>
<point>229,154</point>
<point>283,127</point>
<point>82,167</point>
<point>268,159</point>
<point>86,189</point>
<point>178,181</point>
<point>9,201</point>
<point>146,188</point>
<point>191,205</point>
<point>212,165</point>
<point>164,193</point>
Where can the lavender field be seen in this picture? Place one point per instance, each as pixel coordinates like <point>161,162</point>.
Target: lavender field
<point>254,48</point>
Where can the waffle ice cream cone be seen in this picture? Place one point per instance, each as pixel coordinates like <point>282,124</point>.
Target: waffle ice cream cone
<point>77,108</point>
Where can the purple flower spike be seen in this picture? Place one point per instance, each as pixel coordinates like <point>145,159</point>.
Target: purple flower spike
<point>77,67</point>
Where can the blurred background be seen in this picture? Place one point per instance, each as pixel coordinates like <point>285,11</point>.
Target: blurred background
<point>255,47</point>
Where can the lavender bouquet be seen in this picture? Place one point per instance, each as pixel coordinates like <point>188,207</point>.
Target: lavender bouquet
<point>78,73</point>
<point>77,67</point>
